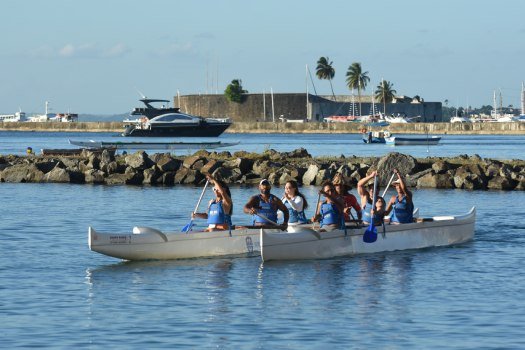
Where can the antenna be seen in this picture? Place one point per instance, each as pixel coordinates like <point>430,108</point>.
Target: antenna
<point>140,93</point>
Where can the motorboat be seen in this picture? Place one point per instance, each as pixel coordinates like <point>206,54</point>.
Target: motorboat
<point>309,243</point>
<point>375,136</point>
<point>457,119</point>
<point>170,121</point>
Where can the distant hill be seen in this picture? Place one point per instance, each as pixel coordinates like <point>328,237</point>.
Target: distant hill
<point>102,118</point>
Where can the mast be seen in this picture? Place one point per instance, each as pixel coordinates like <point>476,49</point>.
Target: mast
<point>273,110</point>
<point>264,105</point>
<point>307,102</point>
<point>522,99</point>
<point>495,111</point>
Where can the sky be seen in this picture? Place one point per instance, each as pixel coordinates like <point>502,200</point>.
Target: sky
<point>101,56</point>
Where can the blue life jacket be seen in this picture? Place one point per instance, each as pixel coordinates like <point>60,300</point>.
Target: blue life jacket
<point>216,214</point>
<point>330,214</point>
<point>378,220</point>
<point>295,216</point>
<point>403,212</point>
<point>266,209</point>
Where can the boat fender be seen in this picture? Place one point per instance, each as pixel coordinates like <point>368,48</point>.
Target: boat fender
<point>137,230</point>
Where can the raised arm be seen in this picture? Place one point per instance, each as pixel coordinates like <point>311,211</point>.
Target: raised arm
<point>361,190</point>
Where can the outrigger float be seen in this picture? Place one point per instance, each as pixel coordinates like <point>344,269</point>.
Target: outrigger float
<point>300,242</point>
<point>152,145</point>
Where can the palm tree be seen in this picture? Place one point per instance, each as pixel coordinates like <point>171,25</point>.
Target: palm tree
<point>385,93</point>
<point>325,71</point>
<point>357,79</point>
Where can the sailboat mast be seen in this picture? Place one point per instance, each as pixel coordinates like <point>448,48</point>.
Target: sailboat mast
<point>307,101</point>
<point>522,99</point>
<point>273,110</point>
<point>264,105</point>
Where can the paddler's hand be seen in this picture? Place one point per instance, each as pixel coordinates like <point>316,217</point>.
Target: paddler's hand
<point>253,211</point>
<point>284,226</point>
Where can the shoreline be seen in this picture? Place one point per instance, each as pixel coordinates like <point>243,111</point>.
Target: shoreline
<point>515,128</point>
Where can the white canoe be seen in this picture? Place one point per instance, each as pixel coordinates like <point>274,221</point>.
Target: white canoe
<point>152,145</point>
<point>311,244</point>
<point>145,243</point>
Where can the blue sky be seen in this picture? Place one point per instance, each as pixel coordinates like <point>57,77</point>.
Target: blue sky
<point>93,56</point>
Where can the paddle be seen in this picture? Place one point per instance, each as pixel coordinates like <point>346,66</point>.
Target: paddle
<point>316,210</point>
<point>188,227</point>
<point>389,183</point>
<point>370,234</point>
<point>265,218</point>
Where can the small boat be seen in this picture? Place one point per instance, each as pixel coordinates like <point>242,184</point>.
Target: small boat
<point>312,244</point>
<point>375,136</point>
<point>152,145</point>
<point>169,121</point>
<point>413,141</point>
<point>146,243</point>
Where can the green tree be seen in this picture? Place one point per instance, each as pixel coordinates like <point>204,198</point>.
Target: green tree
<point>357,79</point>
<point>325,71</point>
<point>385,93</point>
<point>234,91</point>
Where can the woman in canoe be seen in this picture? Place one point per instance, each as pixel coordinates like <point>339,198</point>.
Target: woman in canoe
<point>401,204</point>
<point>343,186</point>
<point>329,212</point>
<point>366,191</point>
<point>295,202</point>
<point>219,209</point>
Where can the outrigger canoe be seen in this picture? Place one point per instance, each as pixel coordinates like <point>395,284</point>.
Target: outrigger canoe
<point>152,145</point>
<point>146,243</point>
<point>308,243</point>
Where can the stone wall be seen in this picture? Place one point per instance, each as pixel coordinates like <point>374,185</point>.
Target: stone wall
<point>310,127</point>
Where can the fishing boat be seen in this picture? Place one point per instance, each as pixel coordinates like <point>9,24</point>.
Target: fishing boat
<point>309,243</point>
<point>146,243</point>
<point>170,121</point>
<point>152,145</point>
<point>413,141</point>
<point>375,136</point>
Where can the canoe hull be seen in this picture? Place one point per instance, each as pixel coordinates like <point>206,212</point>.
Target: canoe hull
<point>146,243</point>
<point>413,141</point>
<point>310,244</point>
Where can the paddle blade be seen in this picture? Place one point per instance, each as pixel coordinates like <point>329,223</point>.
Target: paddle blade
<point>187,227</point>
<point>370,235</point>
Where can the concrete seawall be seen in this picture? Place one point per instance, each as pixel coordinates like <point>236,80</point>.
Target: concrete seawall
<point>295,128</point>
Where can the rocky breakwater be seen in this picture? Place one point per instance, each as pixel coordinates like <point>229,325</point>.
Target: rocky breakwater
<point>463,172</point>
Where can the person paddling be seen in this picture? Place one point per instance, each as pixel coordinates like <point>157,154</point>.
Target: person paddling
<point>401,204</point>
<point>266,204</point>
<point>296,203</point>
<point>220,208</point>
<point>342,186</point>
<point>330,211</point>
<point>365,189</point>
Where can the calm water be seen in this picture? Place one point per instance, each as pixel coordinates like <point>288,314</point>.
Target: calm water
<point>487,146</point>
<point>55,293</point>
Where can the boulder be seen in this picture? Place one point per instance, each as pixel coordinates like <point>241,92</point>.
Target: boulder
<point>501,183</point>
<point>94,176</point>
<point>440,166</point>
<point>245,165</point>
<point>58,174</point>
<point>167,163</point>
<point>22,173</point>
<point>404,163</point>
<point>138,160</point>
<point>434,180</point>
<point>309,176</point>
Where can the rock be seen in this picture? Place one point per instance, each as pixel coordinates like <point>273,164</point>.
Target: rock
<point>57,175</point>
<point>440,167</point>
<point>433,180</point>
<point>228,175</point>
<point>324,175</point>
<point>22,173</point>
<point>138,160</point>
<point>94,176</point>
<point>501,183</point>
<point>310,175</point>
<point>167,163</point>
<point>245,165</point>
<point>151,176</point>
<point>385,167</point>
<point>191,160</point>
<point>187,176</point>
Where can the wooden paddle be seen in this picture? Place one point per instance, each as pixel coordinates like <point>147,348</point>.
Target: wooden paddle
<point>188,227</point>
<point>370,235</point>
<point>265,218</point>
<point>389,183</point>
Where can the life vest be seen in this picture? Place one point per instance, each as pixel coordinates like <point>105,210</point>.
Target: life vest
<point>378,220</point>
<point>403,211</point>
<point>217,216</point>
<point>266,209</point>
<point>330,214</point>
<point>296,217</point>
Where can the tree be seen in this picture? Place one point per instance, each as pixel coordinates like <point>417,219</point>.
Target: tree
<point>325,71</point>
<point>234,91</point>
<point>385,93</point>
<point>357,79</point>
